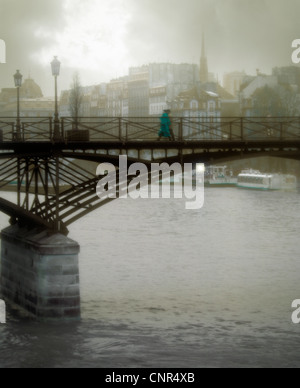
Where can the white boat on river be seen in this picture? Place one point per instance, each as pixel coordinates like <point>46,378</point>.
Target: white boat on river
<point>255,180</point>
<point>219,176</point>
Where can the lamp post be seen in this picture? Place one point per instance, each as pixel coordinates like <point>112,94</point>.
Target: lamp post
<point>55,65</point>
<point>18,83</point>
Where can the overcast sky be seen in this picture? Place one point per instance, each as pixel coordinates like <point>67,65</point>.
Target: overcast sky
<point>102,38</point>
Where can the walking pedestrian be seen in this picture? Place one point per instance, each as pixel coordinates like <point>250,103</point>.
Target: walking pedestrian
<point>165,124</point>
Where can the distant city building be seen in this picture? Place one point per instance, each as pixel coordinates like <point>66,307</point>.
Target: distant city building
<point>30,89</point>
<point>158,100</point>
<point>178,77</point>
<point>202,107</point>
<point>249,88</point>
<point>38,107</point>
<point>197,103</point>
<point>232,82</point>
<point>117,97</point>
<point>32,102</point>
<point>138,92</point>
<point>125,101</point>
<point>202,101</point>
<point>99,101</point>
<point>189,90</point>
<point>230,108</point>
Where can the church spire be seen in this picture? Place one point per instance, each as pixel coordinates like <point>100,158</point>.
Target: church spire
<point>203,53</point>
<point>203,63</point>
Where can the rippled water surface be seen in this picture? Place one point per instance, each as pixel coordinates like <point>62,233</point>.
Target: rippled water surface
<point>165,287</point>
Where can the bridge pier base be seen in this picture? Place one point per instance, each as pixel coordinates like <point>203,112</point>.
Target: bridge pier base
<point>40,273</point>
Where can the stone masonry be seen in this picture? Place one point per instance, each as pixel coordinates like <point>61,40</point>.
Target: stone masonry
<point>40,272</point>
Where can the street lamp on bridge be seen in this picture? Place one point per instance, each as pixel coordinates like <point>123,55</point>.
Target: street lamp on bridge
<point>18,83</point>
<point>55,66</point>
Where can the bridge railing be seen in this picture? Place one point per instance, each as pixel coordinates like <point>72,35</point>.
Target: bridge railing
<point>237,129</point>
<point>31,129</point>
<point>39,130</point>
<point>184,129</point>
<point>270,128</point>
<point>6,129</point>
<point>98,129</point>
<point>110,129</point>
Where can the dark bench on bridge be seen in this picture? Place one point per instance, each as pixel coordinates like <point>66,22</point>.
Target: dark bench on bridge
<point>78,135</point>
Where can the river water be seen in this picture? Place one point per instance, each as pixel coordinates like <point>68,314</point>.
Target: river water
<point>162,286</point>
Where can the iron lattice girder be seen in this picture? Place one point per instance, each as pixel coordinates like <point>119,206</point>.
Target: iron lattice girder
<point>94,202</point>
<point>72,203</point>
<point>81,200</point>
<point>38,177</point>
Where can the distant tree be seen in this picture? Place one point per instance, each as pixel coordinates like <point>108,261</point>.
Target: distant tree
<point>76,99</point>
<point>289,100</point>
<point>267,102</point>
<point>279,101</point>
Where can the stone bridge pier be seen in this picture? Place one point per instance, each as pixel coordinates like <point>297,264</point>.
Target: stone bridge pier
<point>40,272</point>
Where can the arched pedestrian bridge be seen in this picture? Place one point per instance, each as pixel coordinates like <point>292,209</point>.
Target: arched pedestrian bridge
<point>39,158</point>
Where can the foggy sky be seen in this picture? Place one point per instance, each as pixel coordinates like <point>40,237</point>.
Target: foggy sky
<point>116,34</point>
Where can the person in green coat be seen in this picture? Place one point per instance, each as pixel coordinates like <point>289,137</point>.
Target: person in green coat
<point>165,124</point>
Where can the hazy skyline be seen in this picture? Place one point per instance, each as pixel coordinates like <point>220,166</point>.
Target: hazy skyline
<point>101,39</point>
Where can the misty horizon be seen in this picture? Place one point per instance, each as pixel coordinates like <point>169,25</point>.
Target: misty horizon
<point>101,40</point>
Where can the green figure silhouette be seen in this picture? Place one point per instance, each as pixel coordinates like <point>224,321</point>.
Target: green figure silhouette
<point>165,124</point>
